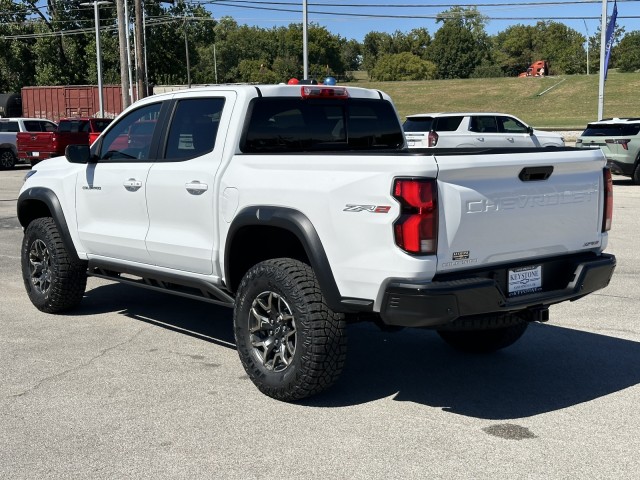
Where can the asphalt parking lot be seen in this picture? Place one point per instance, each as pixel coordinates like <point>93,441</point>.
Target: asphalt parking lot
<point>136,384</point>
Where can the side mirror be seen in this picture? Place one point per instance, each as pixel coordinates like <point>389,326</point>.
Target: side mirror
<point>77,153</point>
<point>530,130</point>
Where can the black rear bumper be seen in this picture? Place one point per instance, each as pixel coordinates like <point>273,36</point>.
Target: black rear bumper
<point>452,296</point>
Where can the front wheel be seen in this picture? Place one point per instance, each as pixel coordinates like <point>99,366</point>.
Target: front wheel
<point>486,340</point>
<point>54,280</point>
<point>291,344</point>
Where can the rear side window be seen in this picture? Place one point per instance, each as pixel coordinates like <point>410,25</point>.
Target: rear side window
<point>194,127</point>
<point>301,125</point>
<point>9,127</point>
<point>418,124</point>
<point>484,124</point>
<point>447,124</point>
<point>611,130</point>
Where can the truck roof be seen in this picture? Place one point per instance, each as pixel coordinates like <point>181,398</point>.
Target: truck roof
<point>280,90</point>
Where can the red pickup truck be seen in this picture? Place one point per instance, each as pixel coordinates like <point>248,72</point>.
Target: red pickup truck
<point>36,146</point>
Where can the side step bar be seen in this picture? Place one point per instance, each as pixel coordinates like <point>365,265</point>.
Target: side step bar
<point>176,284</point>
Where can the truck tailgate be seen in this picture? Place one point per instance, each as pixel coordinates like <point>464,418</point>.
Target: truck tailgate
<point>509,207</point>
<point>34,141</point>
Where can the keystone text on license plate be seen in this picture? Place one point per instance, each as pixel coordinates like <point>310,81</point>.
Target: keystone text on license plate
<point>525,280</point>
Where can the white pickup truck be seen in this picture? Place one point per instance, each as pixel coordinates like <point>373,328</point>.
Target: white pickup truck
<point>301,208</point>
<point>9,129</point>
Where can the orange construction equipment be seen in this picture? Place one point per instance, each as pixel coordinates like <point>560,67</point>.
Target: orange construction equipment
<point>537,69</point>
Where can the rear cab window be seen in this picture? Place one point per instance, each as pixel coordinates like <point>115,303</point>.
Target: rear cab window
<point>303,125</point>
<point>73,126</point>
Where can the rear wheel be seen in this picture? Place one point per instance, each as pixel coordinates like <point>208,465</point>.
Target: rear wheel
<point>54,280</point>
<point>7,159</point>
<point>505,331</point>
<point>290,343</point>
<point>636,172</point>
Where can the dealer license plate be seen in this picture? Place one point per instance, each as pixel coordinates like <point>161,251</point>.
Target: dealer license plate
<point>525,280</point>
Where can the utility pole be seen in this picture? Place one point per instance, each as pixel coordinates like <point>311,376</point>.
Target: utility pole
<point>139,48</point>
<point>186,52</point>
<point>124,61</point>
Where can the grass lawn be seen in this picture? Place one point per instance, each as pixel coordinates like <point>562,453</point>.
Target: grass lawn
<point>570,101</point>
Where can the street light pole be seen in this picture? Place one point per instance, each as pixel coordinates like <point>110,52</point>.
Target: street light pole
<point>96,4</point>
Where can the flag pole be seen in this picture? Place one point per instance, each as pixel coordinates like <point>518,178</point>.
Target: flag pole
<point>603,46</point>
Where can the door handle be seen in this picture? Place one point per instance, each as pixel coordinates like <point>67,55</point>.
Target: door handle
<point>132,185</point>
<point>196,188</point>
<point>480,139</point>
<point>510,139</point>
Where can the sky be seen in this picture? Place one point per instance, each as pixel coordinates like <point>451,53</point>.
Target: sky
<point>353,19</point>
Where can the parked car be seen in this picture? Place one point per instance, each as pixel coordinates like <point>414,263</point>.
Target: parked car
<point>619,140</point>
<point>492,130</point>
<point>10,128</point>
<point>36,147</point>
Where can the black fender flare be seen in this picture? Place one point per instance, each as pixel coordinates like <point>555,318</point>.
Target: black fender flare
<point>27,209</point>
<point>297,223</point>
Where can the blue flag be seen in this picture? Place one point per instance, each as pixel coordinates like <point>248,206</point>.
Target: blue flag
<point>610,28</point>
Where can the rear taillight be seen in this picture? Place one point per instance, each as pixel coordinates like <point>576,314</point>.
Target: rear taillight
<point>433,138</point>
<point>416,230</point>
<point>608,201</point>
<point>624,142</point>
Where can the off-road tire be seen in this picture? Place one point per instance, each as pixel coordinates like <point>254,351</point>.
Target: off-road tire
<point>7,159</point>
<point>485,334</point>
<point>54,280</point>
<point>309,338</point>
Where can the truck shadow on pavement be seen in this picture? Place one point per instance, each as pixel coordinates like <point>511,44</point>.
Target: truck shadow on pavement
<point>205,321</point>
<point>548,369</point>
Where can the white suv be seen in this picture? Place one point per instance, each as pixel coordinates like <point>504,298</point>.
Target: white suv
<point>472,130</point>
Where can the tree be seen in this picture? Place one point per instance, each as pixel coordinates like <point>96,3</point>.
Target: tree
<point>561,46</point>
<point>17,62</point>
<point>514,49</point>
<point>628,51</point>
<point>460,44</point>
<point>402,66</point>
<point>594,48</point>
